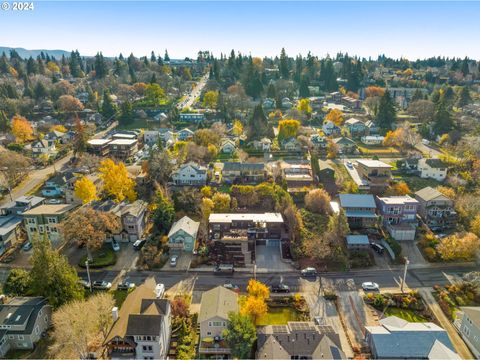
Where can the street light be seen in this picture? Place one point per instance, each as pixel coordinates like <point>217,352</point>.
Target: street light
<point>404,273</point>
<point>88,275</point>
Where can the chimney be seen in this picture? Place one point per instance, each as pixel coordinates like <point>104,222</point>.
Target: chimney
<point>115,313</point>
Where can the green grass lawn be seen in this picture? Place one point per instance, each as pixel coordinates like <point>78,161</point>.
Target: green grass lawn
<point>101,258</point>
<point>119,296</point>
<point>404,314</point>
<point>278,316</point>
<point>416,183</point>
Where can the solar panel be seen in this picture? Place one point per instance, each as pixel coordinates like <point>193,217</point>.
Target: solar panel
<point>279,329</point>
<point>325,329</point>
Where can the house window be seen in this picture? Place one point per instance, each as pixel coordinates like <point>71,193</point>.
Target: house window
<point>147,348</point>
<point>53,229</point>
<point>209,333</point>
<point>52,220</point>
<point>20,337</point>
<point>32,229</point>
<point>31,221</point>
<point>217,323</point>
<point>11,337</point>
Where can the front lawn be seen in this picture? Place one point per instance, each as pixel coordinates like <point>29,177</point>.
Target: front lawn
<point>119,296</point>
<point>404,314</point>
<point>416,183</point>
<point>101,258</point>
<point>279,316</point>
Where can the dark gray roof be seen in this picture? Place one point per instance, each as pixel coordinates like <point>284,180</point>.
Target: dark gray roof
<point>436,163</point>
<point>139,324</point>
<point>62,178</point>
<point>22,311</point>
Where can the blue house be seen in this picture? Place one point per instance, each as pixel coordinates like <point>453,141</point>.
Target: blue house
<point>58,184</point>
<point>183,235</point>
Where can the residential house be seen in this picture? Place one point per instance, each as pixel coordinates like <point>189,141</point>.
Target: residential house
<point>433,169</point>
<point>125,135</point>
<point>318,142</point>
<point>436,209</point>
<point>142,327</point>
<point>345,145</point>
<point>11,219</point>
<point>44,147</point>
<point>298,340</point>
<point>264,144</point>
<point>55,135</point>
<point>23,322</point>
<point>352,103</point>
<point>468,320</point>
<point>372,139</point>
<point>336,96</point>
<point>375,172</point>
<point>123,149</point>
<point>297,174</point>
<point>371,127</point>
<point>215,306</point>
<point>399,216</point>
<point>330,129</point>
<point>268,103</point>
<point>58,184</point>
<point>252,173</point>
<point>183,235</point>
<point>358,243</point>
<point>99,147</point>
<point>396,338</point>
<point>44,220</point>
<point>290,144</point>
<point>409,165</point>
<point>228,146</point>
<point>287,103</point>
<point>190,174</point>
<point>191,117</point>
<point>356,127</point>
<point>325,171</point>
<point>151,137</point>
<point>185,134</point>
<point>360,210</point>
<point>235,235</point>
<point>132,216</point>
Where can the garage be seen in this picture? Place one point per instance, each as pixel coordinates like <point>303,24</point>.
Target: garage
<point>273,242</point>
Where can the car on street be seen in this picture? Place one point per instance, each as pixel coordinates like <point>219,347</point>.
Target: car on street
<point>102,285</point>
<point>115,246</point>
<point>54,201</point>
<point>27,246</point>
<point>232,287</point>
<point>173,260</point>
<point>349,165</point>
<point>370,286</point>
<point>224,269</point>
<point>126,285</point>
<point>137,245</point>
<point>309,271</point>
<point>377,248</point>
<point>280,288</point>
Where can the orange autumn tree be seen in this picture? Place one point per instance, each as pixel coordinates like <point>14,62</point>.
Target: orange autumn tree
<point>116,181</point>
<point>335,116</point>
<point>21,129</point>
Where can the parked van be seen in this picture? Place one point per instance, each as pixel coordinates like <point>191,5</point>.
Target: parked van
<point>224,268</point>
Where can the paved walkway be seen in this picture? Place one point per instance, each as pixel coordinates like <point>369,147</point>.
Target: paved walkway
<point>455,338</point>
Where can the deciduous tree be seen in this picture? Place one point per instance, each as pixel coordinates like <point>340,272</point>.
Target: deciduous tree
<point>240,334</point>
<point>287,129</point>
<point>335,116</point>
<point>459,246</point>
<point>254,307</point>
<point>21,129</point>
<point>14,167</point>
<point>318,201</point>
<point>163,213</point>
<point>68,103</point>
<point>221,202</point>
<point>116,181</point>
<point>258,289</point>
<point>85,190</point>
<point>210,99</point>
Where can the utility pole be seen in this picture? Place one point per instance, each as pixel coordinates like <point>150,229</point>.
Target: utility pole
<point>404,273</point>
<point>88,275</point>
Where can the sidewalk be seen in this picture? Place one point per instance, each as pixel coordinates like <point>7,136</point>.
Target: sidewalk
<point>455,338</point>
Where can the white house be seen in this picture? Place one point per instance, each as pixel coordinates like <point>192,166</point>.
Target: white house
<point>190,174</point>
<point>151,136</point>
<point>329,128</point>
<point>432,168</point>
<point>228,147</point>
<point>185,134</point>
<point>372,139</point>
<point>44,147</point>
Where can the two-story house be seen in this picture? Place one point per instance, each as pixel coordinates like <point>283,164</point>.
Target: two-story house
<point>190,174</point>
<point>99,147</point>
<point>44,220</point>
<point>215,306</point>
<point>355,127</point>
<point>11,219</point>
<point>252,173</point>
<point>318,142</point>
<point>44,147</point>
<point>123,149</point>
<point>375,172</point>
<point>399,216</point>
<point>372,139</point>
<point>290,144</point>
<point>228,146</point>
<point>330,129</point>
<point>436,209</point>
<point>345,145</point>
<point>360,210</point>
<point>468,320</point>
<point>183,235</point>
<point>55,135</point>
<point>142,327</point>
<point>297,174</point>
<point>23,321</point>
<point>185,134</point>
<point>58,184</point>
<point>433,169</point>
<point>235,235</point>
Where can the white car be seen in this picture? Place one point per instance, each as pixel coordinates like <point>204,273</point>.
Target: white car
<point>370,286</point>
<point>115,246</point>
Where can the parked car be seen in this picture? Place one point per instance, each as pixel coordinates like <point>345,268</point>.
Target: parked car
<point>370,286</point>
<point>349,165</point>
<point>280,288</point>
<point>27,246</point>
<point>232,287</point>
<point>125,285</point>
<point>54,201</point>
<point>84,283</point>
<point>309,271</point>
<point>159,290</point>
<point>224,268</point>
<point>173,260</point>
<point>115,246</point>
<point>137,245</point>
<point>377,248</point>
<point>102,285</point>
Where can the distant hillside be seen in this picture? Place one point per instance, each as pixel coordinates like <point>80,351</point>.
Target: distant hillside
<point>24,53</point>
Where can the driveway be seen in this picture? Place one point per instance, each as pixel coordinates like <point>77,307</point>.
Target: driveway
<point>412,252</point>
<point>269,259</point>
<point>183,262</point>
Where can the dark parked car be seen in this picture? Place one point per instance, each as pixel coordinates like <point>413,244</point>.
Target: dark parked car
<point>137,245</point>
<point>102,285</point>
<point>378,248</point>
<point>280,288</point>
<point>309,271</point>
<point>125,285</point>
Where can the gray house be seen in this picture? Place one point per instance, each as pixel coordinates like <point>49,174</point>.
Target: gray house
<point>23,320</point>
<point>190,174</point>
<point>469,327</point>
<point>183,234</point>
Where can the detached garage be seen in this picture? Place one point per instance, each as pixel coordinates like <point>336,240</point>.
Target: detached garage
<point>404,232</point>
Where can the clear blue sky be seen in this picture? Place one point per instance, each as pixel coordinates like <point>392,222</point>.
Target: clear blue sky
<point>409,29</point>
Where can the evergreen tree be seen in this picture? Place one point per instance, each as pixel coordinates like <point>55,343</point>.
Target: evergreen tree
<point>153,79</point>
<point>153,58</point>
<point>166,58</point>
<point>304,91</point>
<point>108,107</point>
<point>258,123</point>
<point>164,213</point>
<point>327,75</point>
<point>442,119</point>
<point>417,95</point>
<point>463,97</point>
<point>126,110</point>
<point>32,67</point>
<point>74,64</point>
<point>271,91</point>
<point>52,276</point>
<point>100,66</point>
<point>133,75</point>
<point>4,64</point>
<point>283,68</point>
<point>4,123</point>
<point>40,91</point>
<point>464,67</point>
<point>159,60</point>
<point>386,113</point>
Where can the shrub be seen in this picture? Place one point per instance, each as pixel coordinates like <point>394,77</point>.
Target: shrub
<point>430,253</point>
